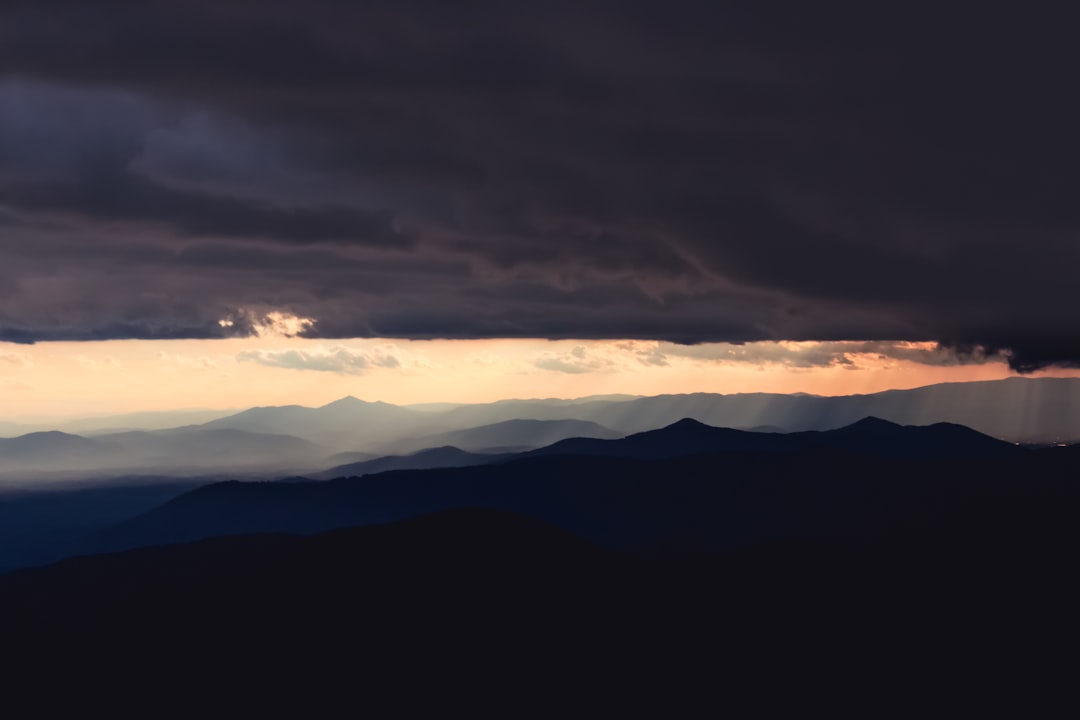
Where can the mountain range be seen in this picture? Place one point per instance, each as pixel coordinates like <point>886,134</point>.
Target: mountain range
<point>180,450</point>
<point>869,436</point>
<point>1016,409</point>
<point>688,485</point>
<point>304,440</point>
<point>669,553</point>
<point>665,487</point>
<point>160,420</point>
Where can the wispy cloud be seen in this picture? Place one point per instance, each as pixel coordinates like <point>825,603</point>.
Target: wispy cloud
<point>575,361</point>
<point>829,354</point>
<point>201,362</point>
<point>16,360</point>
<point>337,359</point>
<point>637,355</point>
<point>96,364</point>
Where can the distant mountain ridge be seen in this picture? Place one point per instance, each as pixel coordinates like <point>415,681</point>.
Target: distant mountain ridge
<point>1025,410</point>
<point>208,446</point>
<point>146,421</point>
<point>1045,410</point>
<point>507,436</point>
<point>162,450</point>
<point>870,435</point>
<point>1015,409</point>
<point>342,424</point>
<point>440,457</point>
<point>689,437</point>
<point>62,448</point>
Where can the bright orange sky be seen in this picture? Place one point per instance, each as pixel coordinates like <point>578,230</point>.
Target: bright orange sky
<point>53,380</point>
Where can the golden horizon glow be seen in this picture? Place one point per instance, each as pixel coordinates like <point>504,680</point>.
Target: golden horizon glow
<point>65,380</point>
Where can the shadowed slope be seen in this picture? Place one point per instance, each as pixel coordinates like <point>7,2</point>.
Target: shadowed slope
<point>508,436</point>
<point>439,457</point>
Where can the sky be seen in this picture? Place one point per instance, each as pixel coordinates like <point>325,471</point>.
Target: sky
<point>54,381</point>
<point>240,202</point>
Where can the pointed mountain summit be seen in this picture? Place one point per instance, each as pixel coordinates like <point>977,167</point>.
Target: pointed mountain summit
<point>353,403</point>
<point>686,425</point>
<point>345,402</point>
<point>874,424</point>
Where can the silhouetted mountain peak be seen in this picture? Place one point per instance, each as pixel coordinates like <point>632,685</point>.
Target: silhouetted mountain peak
<point>50,435</point>
<point>687,428</point>
<point>50,438</point>
<point>687,424</point>
<point>874,424</point>
<point>349,401</point>
<point>679,428</point>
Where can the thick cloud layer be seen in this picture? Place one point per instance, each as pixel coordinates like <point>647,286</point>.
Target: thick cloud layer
<point>682,171</point>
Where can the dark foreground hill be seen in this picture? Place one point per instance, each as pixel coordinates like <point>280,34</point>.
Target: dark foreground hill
<point>478,609</point>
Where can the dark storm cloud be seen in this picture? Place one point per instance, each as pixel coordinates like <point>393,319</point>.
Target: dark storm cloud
<point>684,171</point>
<point>124,197</point>
<point>84,155</point>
